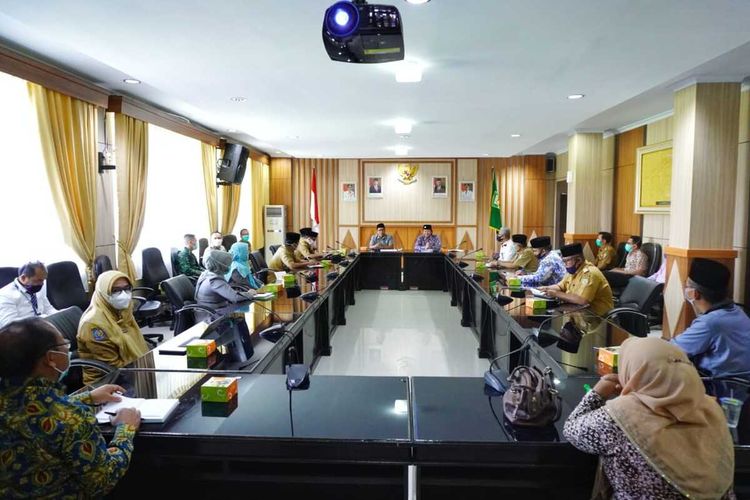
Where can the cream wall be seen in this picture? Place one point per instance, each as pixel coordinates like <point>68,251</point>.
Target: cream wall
<point>349,211</point>
<point>656,226</point>
<point>607,184</point>
<point>742,199</point>
<point>585,192</point>
<point>466,212</point>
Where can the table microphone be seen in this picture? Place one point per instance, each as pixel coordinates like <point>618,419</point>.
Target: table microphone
<point>463,264</point>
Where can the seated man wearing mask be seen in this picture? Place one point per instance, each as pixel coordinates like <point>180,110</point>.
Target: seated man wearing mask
<point>25,296</point>
<point>718,339</point>
<point>551,268</point>
<point>187,264</point>
<point>245,236</point>
<point>306,250</point>
<point>284,258</point>
<point>605,256</point>
<point>525,260</point>
<point>584,283</point>
<point>108,331</point>
<point>212,289</point>
<point>214,243</point>
<point>507,250</point>
<point>240,275</point>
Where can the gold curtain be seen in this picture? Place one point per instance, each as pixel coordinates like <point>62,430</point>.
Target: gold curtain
<point>131,140</point>
<point>67,128</point>
<point>229,195</point>
<point>327,174</point>
<point>209,182</point>
<point>260,185</point>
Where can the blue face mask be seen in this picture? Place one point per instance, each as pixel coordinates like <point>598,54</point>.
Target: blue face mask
<point>628,247</point>
<point>63,373</point>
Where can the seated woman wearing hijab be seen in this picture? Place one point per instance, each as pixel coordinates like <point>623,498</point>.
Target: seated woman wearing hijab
<point>212,289</point>
<point>662,437</point>
<point>108,331</point>
<point>240,276</point>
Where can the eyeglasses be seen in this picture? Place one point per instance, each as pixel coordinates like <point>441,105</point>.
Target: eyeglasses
<point>127,288</point>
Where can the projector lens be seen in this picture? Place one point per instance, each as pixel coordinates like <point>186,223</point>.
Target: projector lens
<point>342,19</point>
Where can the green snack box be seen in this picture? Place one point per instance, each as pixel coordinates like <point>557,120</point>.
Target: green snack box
<point>201,363</point>
<point>494,276</point>
<point>210,409</point>
<point>514,282</point>
<point>200,348</point>
<point>536,305</point>
<point>289,280</point>
<point>219,389</point>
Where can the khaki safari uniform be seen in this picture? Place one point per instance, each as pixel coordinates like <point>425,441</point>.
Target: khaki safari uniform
<point>526,260</point>
<point>304,250</point>
<point>589,282</point>
<point>605,257</point>
<point>283,259</point>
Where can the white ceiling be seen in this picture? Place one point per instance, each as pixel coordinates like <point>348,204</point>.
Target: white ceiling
<point>492,67</point>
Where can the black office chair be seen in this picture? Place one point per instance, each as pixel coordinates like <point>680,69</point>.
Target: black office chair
<point>257,259</point>
<point>102,264</point>
<point>654,254</point>
<point>274,248</point>
<point>181,294</point>
<point>173,257</point>
<point>154,271</point>
<point>202,246</point>
<point>7,275</point>
<point>636,301</point>
<point>64,286</point>
<point>621,254</point>
<point>228,241</point>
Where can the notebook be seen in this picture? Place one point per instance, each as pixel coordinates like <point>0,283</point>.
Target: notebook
<point>263,296</point>
<point>152,410</point>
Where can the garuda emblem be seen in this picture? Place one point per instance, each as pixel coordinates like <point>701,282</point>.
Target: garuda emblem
<point>407,172</point>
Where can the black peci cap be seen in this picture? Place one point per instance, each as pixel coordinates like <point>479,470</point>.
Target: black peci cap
<point>427,226</point>
<point>571,250</point>
<point>710,274</point>
<point>381,225</point>
<point>520,239</point>
<point>291,238</point>
<point>540,242</point>
<point>308,232</point>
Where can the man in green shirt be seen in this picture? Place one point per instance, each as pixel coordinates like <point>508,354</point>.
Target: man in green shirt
<point>187,264</point>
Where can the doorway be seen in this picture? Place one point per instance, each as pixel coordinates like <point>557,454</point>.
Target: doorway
<point>561,212</point>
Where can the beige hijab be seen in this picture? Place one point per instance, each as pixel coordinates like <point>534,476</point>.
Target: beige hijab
<point>665,412</point>
<point>120,326</point>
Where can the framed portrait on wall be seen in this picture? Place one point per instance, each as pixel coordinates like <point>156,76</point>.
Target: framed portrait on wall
<point>653,179</point>
<point>375,187</point>
<point>466,191</point>
<point>348,191</point>
<point>440,187</point>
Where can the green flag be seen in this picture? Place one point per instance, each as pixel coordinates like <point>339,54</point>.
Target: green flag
<point>496,219</point>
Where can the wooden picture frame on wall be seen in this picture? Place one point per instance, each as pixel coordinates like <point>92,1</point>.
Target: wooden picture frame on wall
<point>440,186</point>
<point>653,179</point>
<point>348,191</point>
<point>466,191</point>
<point>375,187</point>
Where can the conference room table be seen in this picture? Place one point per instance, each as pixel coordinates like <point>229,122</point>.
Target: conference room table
<point>356,437</point>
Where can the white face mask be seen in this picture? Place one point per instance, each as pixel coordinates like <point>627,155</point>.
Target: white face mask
<point>120,300</point>
<point>217,242</point>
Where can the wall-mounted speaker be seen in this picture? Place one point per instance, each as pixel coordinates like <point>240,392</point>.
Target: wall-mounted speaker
<point>550,162</point>
<point>231,167</point>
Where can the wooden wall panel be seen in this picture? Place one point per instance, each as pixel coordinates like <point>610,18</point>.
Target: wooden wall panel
<point>326,174</point>
<point>349,211</point>
<point>625,221</point>
<point>408,203</point>
<point>535,195</point>
<point>281,186</point>
<point>466,212</point>
<point>404,236</point>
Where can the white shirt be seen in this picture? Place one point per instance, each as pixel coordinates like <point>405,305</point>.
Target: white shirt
<point>211,249</point>
<point>15,303</point>
<point>507,250</point>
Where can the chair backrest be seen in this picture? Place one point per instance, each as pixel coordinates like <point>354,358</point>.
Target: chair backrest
<point>257,261</point>
<point>641,291</point>
<point>273,248</point>
<point>154,270</point>
<point>7,275</point>
<point>101,264</point>
<point>228,241</point>
<point>621,254</point>
<point>653,252</point>
<point>173,253</point>
<point>202,245</point>
<point>67,321</point>
<point>64,286</point>
<point>179,290</point>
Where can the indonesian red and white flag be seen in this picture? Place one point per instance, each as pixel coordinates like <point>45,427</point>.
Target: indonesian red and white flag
<point>314,214</point>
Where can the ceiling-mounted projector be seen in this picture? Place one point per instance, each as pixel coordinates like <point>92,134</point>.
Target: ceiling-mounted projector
<point>358,32</point>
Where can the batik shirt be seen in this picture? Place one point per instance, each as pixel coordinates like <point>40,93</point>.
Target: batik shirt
<point>421,245</point>
<point>551,271</point>
<point>51,446</point>
<point>187,263</point>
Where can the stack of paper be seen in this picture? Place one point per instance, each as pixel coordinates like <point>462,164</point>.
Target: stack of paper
<point>152,410</point>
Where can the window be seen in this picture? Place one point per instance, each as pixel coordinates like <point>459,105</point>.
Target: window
<point>30,224</point>
<point>175,194</point>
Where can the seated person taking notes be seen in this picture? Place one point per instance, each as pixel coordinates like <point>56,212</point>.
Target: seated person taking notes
<point>584,283</point>
<point>551,269</point>
<point>718,339</point>
<point>380,240</point>
<point>427,242</point>
<point>525,260</point>
<point>284,258</point>
<point>212,288</point>
<point>108,331</point>
<point>187,264</point>
<point>25,296</point>
<point>308,246</point>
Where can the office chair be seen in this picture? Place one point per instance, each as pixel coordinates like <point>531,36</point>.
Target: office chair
<point>621,254</point>
<point>7,275</point>
<point>181,294</point>
<point>654,253</point>
<point>154,271</point>
<point>202,246</point>
<point>64,286</point>
<point>228,241</point>
<point>636,301</point>
<point>257,259</point>
<point>101,264</point>
<point>274,248</point>
<point>173,257</point>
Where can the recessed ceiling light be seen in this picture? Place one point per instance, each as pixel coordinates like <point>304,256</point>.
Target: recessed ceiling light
<point>515,135</point>
<point>417,2</point>
<point>573,97</point>
<point>409,72</point>
<point>279,153</point>
<point>486,154</point>
<point>231,130</point>
<point>401,150</point>
<point>402,126</point>
<point>238,98</point>
<point>132,81</point>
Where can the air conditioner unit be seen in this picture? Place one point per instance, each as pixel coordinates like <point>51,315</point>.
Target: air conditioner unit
<point>275,223</point>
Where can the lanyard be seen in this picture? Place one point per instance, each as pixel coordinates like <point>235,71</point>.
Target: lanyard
<point>27,296</point>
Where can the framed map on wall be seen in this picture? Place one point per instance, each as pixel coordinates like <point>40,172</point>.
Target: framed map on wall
<point>653,179</point>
